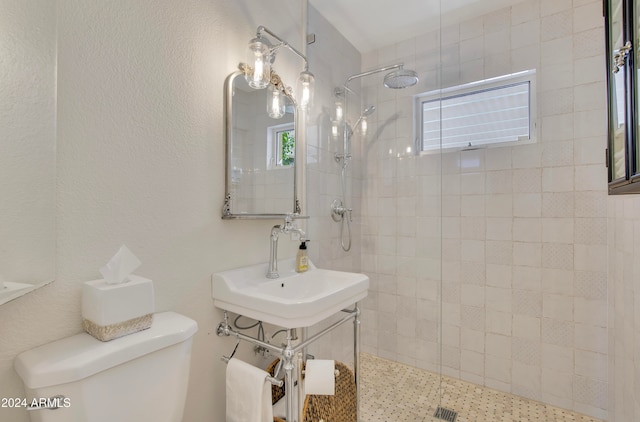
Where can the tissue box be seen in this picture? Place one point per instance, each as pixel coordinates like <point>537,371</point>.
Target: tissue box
<point>113,310</point>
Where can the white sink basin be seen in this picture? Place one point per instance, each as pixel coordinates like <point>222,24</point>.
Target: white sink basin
<point>291,301</point>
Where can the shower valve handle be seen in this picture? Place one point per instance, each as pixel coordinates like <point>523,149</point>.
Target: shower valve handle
<point>338,210</point>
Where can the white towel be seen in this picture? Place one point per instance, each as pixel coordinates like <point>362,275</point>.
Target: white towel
<point>248,393</point>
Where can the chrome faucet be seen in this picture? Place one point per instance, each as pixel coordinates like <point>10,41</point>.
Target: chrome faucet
<point>288,227</point>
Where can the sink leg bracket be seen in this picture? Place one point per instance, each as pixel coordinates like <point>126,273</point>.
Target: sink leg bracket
<point>293,356</point>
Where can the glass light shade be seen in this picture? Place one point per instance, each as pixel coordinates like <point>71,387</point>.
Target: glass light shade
<point>363,126</point>
<point>305,89</point>
<point>339,112</point>
<point>334,129</point>
<point>259,58</point>
<point>275,103</point>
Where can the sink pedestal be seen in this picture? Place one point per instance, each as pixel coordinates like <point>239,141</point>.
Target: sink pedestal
<point>294,300</point>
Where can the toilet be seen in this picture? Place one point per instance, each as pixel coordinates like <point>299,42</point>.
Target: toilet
<point>138,377</point>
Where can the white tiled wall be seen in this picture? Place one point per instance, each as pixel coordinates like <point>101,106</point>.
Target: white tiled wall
<point>624,318</point>
<point>518,235</point>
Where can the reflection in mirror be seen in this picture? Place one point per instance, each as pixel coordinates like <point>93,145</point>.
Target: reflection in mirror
<point>260,132</point>
<point>27,145</point>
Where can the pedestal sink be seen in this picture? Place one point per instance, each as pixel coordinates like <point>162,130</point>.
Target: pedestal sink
<point>291,301</point>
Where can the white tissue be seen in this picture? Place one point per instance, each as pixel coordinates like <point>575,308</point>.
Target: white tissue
<point>123,263</point>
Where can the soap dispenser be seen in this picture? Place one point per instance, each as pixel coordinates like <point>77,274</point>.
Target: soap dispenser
<point>302,259</point>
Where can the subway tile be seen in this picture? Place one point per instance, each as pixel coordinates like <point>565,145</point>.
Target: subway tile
<point>557,307</point>
<point>591,338</point>
<point>525,58</point>
<point>557,128</point>
<point>591,364</point>
<point>527,302</point>
<point>553,51</point>
<point>498,322</point>
<point>473,250</point>
<point>500,205</point>
<point>472,362</point>
<point>472,48</point>
<point>498,275</point>
<point>527,278</point>
<point>472,28</point>
<point>588,17</point>
<point>472,339</point>
<point>527,230</point>
<point>527,254</point>
<point>497,21</point>
<point>557,332</point>
<point>527,376</point>
<point>590,391</point>
<point>557,383</point>
<point>498,345</point>
<point>557,230</point>
<point>525,34</point>
<point>588,43</point>
<point>497,42</point>
<point>497,368</point>
<point>525,351</point>
<point>557,357</point>
<point>524,12</point>
<point>526,156</point>
<point>499,252</point>
<point>556,26</point>
<point>499,181</point>
<point>549,7</point>
<point>526,327</point>
<point>499,228</point>
<point>527,204</point>
<point>591,312</point>
<point>498,159</point>
<point>558,179</point>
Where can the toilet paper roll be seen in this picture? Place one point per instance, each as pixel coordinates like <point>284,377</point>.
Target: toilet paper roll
<point>319,377</point>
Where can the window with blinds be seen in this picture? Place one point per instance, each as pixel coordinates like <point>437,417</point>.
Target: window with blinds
<point>491,112</point>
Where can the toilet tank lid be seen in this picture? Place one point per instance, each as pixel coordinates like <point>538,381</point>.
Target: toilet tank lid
<point>74,358</point>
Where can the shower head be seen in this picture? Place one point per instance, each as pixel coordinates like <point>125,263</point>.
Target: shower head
<point>400,78</point>
<point>368,110</point>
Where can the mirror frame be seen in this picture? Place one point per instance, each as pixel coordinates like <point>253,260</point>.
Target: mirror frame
<point>227,214</point>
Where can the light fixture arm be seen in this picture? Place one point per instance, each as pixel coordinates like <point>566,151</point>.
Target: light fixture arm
<point>282,43</point>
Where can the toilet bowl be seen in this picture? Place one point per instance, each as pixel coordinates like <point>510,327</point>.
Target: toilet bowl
<point>138,377</point>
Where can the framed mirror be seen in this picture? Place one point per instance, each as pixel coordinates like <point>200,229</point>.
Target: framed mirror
<point>260,140</point>
<point>27,146</point>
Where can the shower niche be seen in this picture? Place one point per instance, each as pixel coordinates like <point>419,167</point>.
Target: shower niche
<point>260,168</point>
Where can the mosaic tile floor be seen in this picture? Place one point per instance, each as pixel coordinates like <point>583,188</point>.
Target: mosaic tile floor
<point>393,392</point>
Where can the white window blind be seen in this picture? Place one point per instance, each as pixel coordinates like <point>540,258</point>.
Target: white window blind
<point>493,111</point>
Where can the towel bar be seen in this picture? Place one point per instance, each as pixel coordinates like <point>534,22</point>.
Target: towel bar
<point>272,380</point>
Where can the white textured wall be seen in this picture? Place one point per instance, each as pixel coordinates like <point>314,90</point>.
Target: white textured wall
<point>140,160</point>
<point>27,140</point>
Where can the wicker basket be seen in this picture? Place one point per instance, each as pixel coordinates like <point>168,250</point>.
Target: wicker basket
<point>341,407</point>
<point>276,392</point>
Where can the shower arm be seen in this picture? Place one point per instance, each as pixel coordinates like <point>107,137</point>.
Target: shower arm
<point>371,72</point>
<point>346,99</point>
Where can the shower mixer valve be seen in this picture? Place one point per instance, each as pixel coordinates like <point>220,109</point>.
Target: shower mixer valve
<point>338,210</point>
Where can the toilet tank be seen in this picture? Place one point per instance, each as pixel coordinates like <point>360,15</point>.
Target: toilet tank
<point>138,377</point>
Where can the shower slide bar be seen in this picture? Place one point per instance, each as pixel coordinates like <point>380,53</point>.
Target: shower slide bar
<point>290,353</point>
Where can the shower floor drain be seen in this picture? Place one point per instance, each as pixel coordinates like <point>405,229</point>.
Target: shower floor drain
<point>446,414</point>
